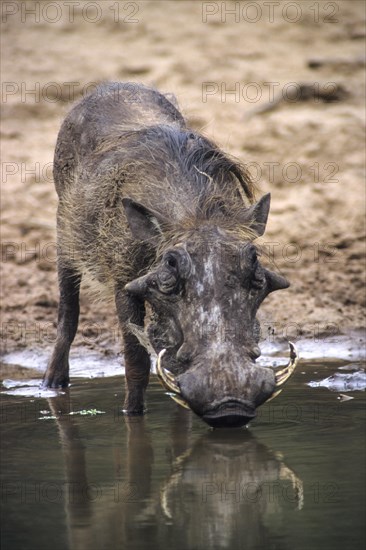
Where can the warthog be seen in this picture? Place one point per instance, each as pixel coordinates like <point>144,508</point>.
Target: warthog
<point>163,222</point>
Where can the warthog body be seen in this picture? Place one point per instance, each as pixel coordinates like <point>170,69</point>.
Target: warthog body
<point>156,215</point>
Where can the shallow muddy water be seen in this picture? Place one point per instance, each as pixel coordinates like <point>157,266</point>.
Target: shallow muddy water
<point>97,480</point>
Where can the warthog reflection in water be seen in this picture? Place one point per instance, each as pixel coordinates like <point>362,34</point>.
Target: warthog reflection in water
<point>215,493</point>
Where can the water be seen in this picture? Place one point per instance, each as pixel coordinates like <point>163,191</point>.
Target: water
<point>98,480</point>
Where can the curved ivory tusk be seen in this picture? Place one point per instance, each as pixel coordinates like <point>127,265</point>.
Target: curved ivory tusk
<point>166,378</point>
<point>179,399</point>
<point>169,375</point>
<point>275,394</point>
<point>283,375</point>
<point>168,382</point>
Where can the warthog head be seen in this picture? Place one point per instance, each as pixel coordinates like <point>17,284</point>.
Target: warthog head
<point>204,293</point>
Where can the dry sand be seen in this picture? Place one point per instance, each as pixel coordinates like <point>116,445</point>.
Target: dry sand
<point>309,155</point>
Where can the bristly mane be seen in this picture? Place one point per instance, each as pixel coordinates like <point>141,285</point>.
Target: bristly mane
<point>187,178</point>
<point>200,158</point>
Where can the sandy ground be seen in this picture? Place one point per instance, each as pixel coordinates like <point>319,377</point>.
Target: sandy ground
<point>222,66</point>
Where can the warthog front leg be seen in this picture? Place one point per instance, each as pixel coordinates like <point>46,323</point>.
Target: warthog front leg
<point>57,373</point>
<point>137,359</point>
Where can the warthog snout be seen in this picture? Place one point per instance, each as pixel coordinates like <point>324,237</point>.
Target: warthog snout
<point>225,392</point>
<point>222,396</point>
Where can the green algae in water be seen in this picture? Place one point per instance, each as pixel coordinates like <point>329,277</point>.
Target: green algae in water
<point>84,412</point>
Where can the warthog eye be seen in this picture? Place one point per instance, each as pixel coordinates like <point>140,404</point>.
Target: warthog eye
<point>174,269</point>
<point>178,261</point>
<point>259,279</point>
<point>253,255</point>
<point>171,261</point>
<point>168,274</point>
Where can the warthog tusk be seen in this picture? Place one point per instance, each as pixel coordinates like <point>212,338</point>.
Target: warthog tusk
<point>178,399</point>
<point>169,383</point>
<point>283,375</point>
<point>169,375</point>
<point>166,378</point>
<point>275,394</point>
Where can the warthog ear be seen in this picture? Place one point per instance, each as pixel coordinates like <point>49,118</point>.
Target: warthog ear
<point>145,225</point>
<point>257,214</point>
